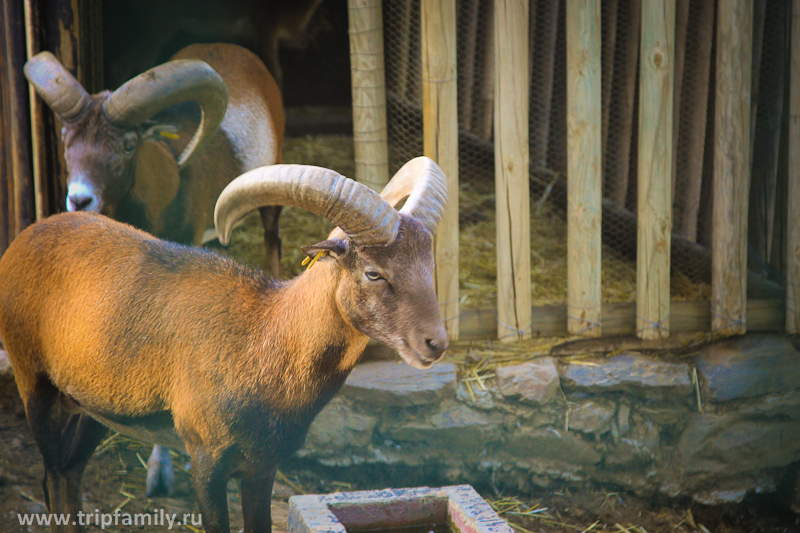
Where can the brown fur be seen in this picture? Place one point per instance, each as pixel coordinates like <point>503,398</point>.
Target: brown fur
<point>144,187</point>
<point>173,345</point>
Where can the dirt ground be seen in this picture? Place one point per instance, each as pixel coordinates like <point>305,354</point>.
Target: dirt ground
<point>115,477</point>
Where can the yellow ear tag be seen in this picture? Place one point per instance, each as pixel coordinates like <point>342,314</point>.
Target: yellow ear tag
<point>169,135</point>
<point>316,258</point>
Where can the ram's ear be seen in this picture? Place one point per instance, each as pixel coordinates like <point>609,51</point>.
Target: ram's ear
<point>160,132</point>
<point>330,250</point>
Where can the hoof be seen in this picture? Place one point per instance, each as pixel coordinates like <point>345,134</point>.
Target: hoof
<point>160,476</point>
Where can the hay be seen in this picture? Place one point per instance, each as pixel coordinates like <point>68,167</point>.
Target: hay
<point>477,256</point>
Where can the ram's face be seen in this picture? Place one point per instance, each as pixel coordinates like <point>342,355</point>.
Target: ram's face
<point>387,292</point>
<point>100,160</point>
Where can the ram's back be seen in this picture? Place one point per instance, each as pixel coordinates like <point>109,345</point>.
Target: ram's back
<point>107,311</point>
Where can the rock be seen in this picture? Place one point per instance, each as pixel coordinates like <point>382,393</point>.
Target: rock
<point>629,372</point>
<point>591,417</point>
<point>533,382</point>
<point>391,384</point>
<point>552,444</point>
<point>752,365</point>
<point>454,430</point>
<point>480,399</point>
<point>17,443</point>
<point>623,419</point>
<point>6,372</point>
<point>34,508</point>
<point>336,429</point>
<point>725,445</point>
<point>629,453</point>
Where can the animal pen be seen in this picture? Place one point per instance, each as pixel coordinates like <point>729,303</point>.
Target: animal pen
<point>622,166</point>
<point>662,133</point>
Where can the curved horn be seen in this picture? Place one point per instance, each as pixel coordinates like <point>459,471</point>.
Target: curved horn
<point>56,85</point>
<point>363,215</point>
<point>175,82</point>
<point>423,182</point>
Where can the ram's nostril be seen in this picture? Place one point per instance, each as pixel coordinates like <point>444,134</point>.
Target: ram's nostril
<point>80,201</point>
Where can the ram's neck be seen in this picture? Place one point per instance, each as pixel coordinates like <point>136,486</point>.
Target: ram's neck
<point>320,343</point>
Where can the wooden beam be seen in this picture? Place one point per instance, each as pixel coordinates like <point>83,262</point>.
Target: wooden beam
<point>619,318</point>
<point>656,93</point>
<point>793,194</point>
<point>511,169</point>
<point>440,127</point>
<point>584,167</point>
<point>731,166</point>
<point>369,93</point>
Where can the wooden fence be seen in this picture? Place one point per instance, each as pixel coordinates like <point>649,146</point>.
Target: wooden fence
<point>653,316</point>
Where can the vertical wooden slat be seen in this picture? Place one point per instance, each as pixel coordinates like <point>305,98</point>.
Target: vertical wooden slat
<point>618,167</point>
<point>609,34</point>
<point>731,166</point>
<point>466,66</point>
<point>369,92</point>
<point>584,167</point>
<point>404,62</point>
<point>18,116</point>
<point>693,136</point>
<point>484,113</point>
<point>33,47</point>
<point>6,170</point>
<point>541,87</point>
<point>656,93</point>
<point>511,170</point>
<point>440,126</point>
<point>793,194</point>
<point>681,29</point>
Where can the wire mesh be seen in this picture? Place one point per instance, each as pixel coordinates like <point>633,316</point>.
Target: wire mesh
<point>692,141</point>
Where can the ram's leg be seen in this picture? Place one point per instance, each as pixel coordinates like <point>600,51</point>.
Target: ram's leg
<point>49,424</point>
<point>160,475</point>
<point>256,501</point>
<point>211,475</point>
<point>272,239</point>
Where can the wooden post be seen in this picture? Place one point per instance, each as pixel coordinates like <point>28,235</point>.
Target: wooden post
<point>731,166</point>
<point>440,126</point>
<point>482,123</point>
<point>369,93</point>
<point>404,62</point>
<point>609,34</point>
<point>511,170</point>
<point>656,93</point>
<point>793,194</point>
<point>543,69</point>
<point>32,37</point>
<point>18,116</point>
<point>584,167</point>
<point>617,168</point>
<point>466,66</point>
<point>692,138</point>
<point>681,29</point>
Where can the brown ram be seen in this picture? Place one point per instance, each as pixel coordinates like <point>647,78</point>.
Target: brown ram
<point>121,162</point>
<point>179,346</point>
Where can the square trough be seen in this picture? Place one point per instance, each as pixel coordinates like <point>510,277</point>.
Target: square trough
<point>458,508</point>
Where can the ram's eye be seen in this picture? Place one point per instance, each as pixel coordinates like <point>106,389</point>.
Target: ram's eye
<point>128,148</point>
<point>373,276</point>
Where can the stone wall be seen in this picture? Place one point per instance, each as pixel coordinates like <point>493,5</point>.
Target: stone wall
<point>629,419</point>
